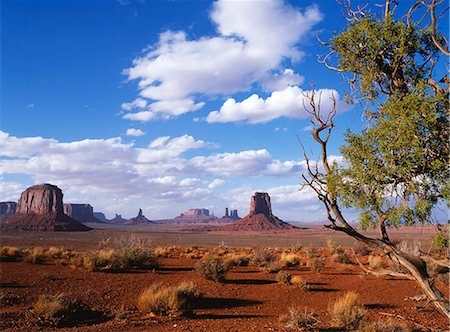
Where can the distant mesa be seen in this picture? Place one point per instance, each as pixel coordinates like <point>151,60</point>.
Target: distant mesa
<point>83,213</point>
<point>195,216</point>
<point>260,217</point>
<point>41,208</point>
<point>7,209</point>
<point>231,214</point>
<point>101,216</point>
<point>138,220</point>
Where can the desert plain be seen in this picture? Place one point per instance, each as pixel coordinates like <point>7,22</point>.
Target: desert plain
<point>250,298</point>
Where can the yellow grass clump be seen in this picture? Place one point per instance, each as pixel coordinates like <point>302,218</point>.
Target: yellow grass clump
<point>290,259</point>
<point>348,312</point>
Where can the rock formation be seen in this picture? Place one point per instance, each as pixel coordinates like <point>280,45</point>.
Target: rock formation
<point>117,219</point>
<point>100,216</point>
<point>138,220</point>
<point>195,213</point>
<point>81,212</point>
<point>260,217</point>
<point>41,208</point>
<point>7,209</point>
<point>231,214</point>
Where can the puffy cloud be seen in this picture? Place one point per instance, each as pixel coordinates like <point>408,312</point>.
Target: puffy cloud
<point>290,102</point>
<point>109,173</point>
<point>135,132</point>
<point>254,39</point>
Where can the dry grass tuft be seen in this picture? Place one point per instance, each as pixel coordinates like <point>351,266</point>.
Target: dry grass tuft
<point>162,252</point>
<point>284,277</point>
<point>316,264</point>
<point>57,310</point>
<point>168,301</point>
<point>385,326</point>
<point>10,254</point>
<point>212,268</point>
<point>233,260</point>
<point>297,320</point>
<point>300,282</point>
<point>348,312</point>
<point>290,259</point>
<point>312,252</point>
<point>263,258</point>
<point>36,255</point>
<point>375,262</point>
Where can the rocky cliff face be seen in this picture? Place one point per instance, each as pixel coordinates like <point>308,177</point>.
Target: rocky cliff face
<point>41,208</point>
<point>260,203</point>
<point>81,212</point>
<point>138,220</point>
<point>7,209</point>
<point>100,216</point>
<point>41,199</point>
<point>231,214</point>
<point>260,217</point>
<point>117,219</point>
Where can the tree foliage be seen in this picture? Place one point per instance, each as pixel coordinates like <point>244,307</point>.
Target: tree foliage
<point>396,168</point>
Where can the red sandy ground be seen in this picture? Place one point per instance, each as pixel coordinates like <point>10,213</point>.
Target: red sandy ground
<point>249,300</point>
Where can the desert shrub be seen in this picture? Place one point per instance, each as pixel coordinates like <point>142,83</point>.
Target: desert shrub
<point>161,252</point>
<point>284,277</point>
<point>290,259</point>
<point>385,326</point>
<point>272,267</point>
<point>35,256</point>
<point>332,246</point>
<point>76,261</point>
<point>55,252</point>
<point>316,264</point>
<point>168,301</point>
<point>348,312</point>
<point>312,252</point>
<point>441,240</point>
<point>10,254</point>
<point>57,310</point>
<point>233,260</point>
<point>212,268</point>
<point>300,282</point>
<point>341,256</point>
<point>190,249</point>
<point>136,256</point>
<point>102,260</point>
<point>375,262</point>
<point>298,320</point>
<point>297,246</point>
<point>263,257</point>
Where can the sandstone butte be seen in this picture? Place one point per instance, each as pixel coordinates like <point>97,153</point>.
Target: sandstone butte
<point>40,208</point>
<point>260,217</point>
<point>140,219</point>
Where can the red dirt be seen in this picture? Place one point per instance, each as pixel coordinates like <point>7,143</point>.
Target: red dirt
<point>249,300</point>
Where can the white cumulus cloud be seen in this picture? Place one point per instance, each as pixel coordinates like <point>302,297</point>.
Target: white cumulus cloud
<point>254,39</point>
<point>135,132</point>
<point>289,103</point>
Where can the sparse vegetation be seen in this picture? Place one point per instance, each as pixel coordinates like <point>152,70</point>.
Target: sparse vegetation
<point>297,246</point>
<point>300,282</point>
<point>290,259</point>
<point>375,262</point>
<point>263,258</point>
<point>35,256</point>
<point>298,320</point>
<point>312,252</point>
<point>57,310</point>
<point>385,326</point>
<point>348,312</point>
<point>168,301</point>
<point>441,240</point>
<point>233,260</point>
<point>284,277</point>
<point>316,264</point>
<point>9,254</point>
<point>212,268</point>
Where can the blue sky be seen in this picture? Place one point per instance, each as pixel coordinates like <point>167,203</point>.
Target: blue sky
<point>165,105</point>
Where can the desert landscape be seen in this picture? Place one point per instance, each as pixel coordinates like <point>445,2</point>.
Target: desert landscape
<point>255,274</point>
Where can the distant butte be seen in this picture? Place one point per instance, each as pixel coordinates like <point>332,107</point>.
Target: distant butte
<point>260,217</point>
<point>40,208</point>
<point>138,220</point>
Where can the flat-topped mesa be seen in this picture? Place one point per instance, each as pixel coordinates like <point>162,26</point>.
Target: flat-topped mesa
<point>81,212</point>
<point>260,203</point>
<point>41,199</point>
